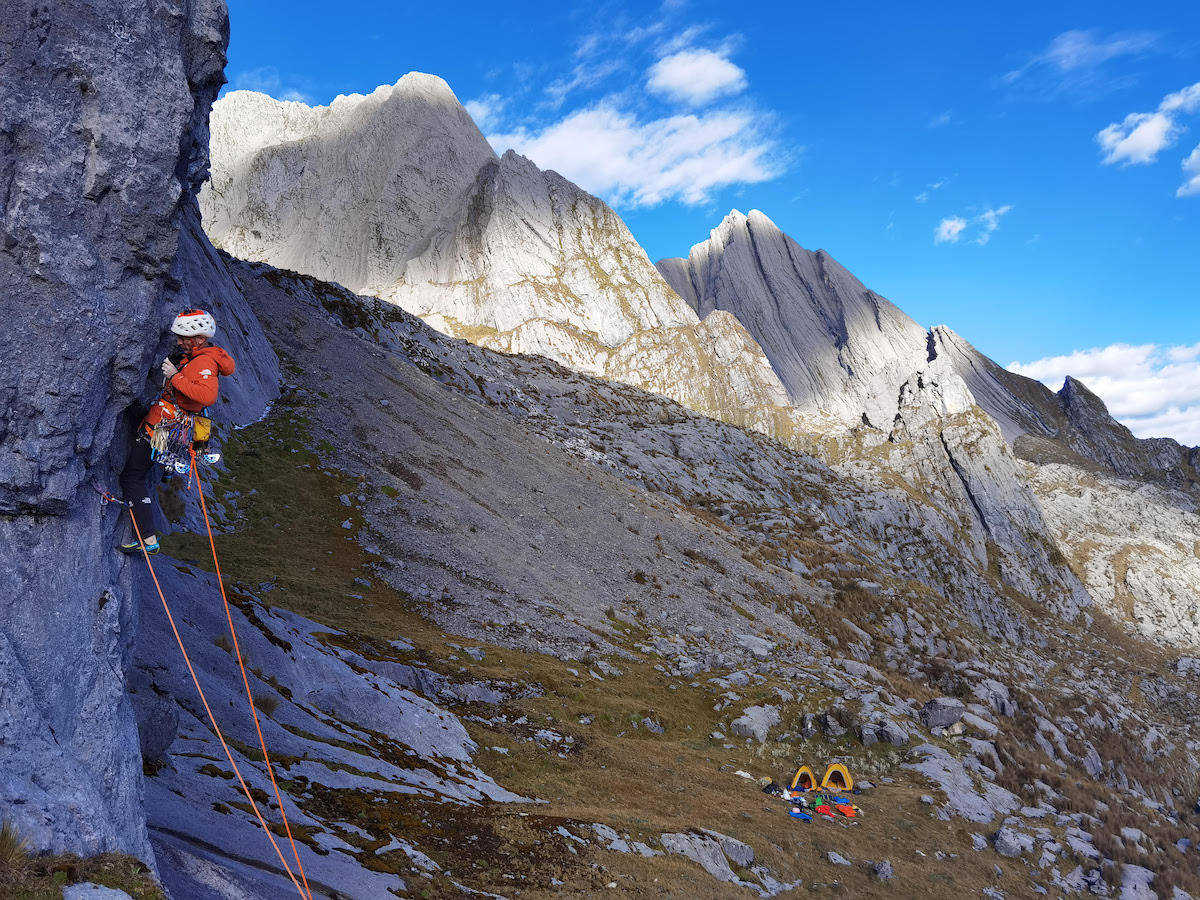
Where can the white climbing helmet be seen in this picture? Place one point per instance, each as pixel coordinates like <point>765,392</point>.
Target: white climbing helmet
<point>194,322</point>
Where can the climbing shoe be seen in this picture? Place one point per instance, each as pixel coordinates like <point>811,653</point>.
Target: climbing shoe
<point>135,547</point>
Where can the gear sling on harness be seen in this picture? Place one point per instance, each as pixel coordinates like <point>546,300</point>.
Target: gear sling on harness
<point>304,890</point>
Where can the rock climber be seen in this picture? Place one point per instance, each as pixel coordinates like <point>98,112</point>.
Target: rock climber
<point>192,374</point>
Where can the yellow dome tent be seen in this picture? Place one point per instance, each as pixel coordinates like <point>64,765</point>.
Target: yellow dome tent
<point>804,779</point>
<point>838,778</point>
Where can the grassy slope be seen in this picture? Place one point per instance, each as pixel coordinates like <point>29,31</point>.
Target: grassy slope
<point>614,773</point>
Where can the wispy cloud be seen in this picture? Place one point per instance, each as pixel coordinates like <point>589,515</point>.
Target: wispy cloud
<point>583,76</point>
<point>940,120</point>
<point>924,196</point>
<point>1075,61</point>
<point>1191,172</point>
<point>1152,389</point>
<point>949,230</point>
<point>634,162</point>
<point>267,80</point>
<point>1140,137</point>
<point>953,228</point>
<point>486,110</point>
<point>989,221</point>
<point>696,76</point>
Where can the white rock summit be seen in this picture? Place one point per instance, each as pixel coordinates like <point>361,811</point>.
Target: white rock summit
<point>398,195</point>
<point>839,348</point>
<point>342,191</point>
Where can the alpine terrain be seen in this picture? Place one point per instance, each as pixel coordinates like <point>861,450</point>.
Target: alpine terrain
<point>531,560</point>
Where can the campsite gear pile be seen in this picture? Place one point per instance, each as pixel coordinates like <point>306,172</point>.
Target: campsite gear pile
<point>807,797</point>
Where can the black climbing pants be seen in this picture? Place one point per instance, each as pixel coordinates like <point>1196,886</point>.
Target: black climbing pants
<point>135,484</point>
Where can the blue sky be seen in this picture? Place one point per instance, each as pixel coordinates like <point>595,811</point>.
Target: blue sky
<point>1028,174</point>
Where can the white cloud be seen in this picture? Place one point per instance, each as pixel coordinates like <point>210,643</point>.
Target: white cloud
<point>989,222</point>
<point>486,110</point>
<point>1183,353</point>
<point>696,76</point>
<point>1073,57</point>
<point>1152,389</point>
<point>949,230</point>
<point>1191,171</point>
<point>267,80</point>
<point>938,121</point>
<point>922,197</point>
<point>1185,101</point>
<point>1140,137</point>
<point>643,163</point>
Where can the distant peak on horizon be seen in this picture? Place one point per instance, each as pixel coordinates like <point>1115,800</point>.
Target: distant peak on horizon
<point>408,84</point>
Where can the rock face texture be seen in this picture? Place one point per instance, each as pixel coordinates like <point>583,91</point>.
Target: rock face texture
<point>544,266</point>
<point>953,451</point>
<point>103,143</point>
<point>96,150</point>
<point>1135,545</point>
<point>344,191</point>
<point>844,351</point>
<point>397,195</point>
<point>343,694</point>
<point>955,425</point>
<point>838,348</point>
<point>1073,425</point>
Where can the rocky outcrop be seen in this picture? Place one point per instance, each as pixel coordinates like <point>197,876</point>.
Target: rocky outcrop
<point>103,142</point>
<point>1072,426</point>
<point>947,447</point>
<point>838,348</point>
<point>99,151</point>
<point>843,351</point>
<point>1135,545</point>
<point>343,192</point>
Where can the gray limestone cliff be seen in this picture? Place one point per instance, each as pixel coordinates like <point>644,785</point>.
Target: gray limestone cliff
<point>838,348</point>
<point>842,350</point>
<point>397,195</point>
<point>344,191</point>
<point>1074,423</point>
<point>957,427</point>
<point>103,143</point>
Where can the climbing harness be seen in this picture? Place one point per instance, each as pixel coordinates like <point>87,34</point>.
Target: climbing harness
<point>106,498</point>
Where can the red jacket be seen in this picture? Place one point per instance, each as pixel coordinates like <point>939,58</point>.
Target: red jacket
<point>195,385</point>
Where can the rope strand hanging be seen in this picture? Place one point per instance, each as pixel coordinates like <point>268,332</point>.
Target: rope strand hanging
<point>211,718</point>
<point>245,679</point>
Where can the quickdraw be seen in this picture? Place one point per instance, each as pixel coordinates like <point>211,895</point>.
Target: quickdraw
<point>107,498</point>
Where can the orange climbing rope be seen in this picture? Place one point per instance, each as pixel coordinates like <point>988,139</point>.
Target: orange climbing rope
<point>211,718</point>
<point>245,680</point>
